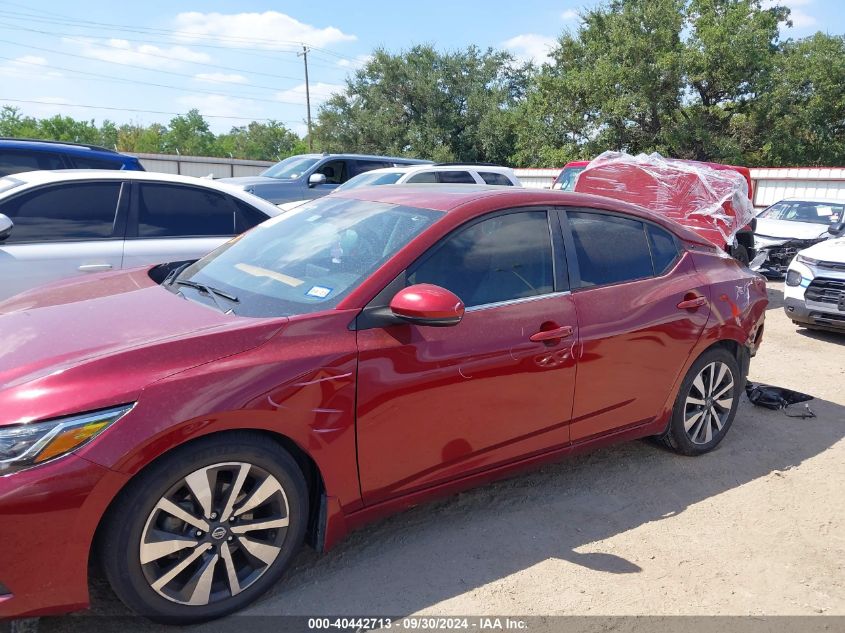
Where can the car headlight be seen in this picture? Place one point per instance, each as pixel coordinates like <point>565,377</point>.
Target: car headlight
<point>806,260</point>
<point>30,444</point>
<point>793,278</point>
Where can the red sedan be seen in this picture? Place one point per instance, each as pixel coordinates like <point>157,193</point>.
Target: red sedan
<point>192,426</point>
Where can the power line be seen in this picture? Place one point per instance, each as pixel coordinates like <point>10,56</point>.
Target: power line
<point>136,110</point>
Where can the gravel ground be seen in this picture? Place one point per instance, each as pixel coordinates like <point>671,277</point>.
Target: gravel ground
<point>755,528</point>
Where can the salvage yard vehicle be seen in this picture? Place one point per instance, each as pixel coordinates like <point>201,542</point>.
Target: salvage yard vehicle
<point>190,428</point>
<point>788,226</point>
<point>814,294</point>
<point>19,155</point>
<point>714,199</point>
<point>56,224</point>
<point>310,176</point>
<point>565,180</point>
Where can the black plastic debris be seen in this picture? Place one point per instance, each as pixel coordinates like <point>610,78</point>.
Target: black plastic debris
<point>777,398</point>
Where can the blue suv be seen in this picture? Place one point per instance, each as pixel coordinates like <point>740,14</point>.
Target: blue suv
<point>18,155</point>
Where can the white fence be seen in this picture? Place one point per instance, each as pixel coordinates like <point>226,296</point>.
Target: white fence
<point>770,184</point>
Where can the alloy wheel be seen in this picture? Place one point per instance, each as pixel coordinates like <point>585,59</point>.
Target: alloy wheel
<point>214,533</point>
<point>709,402</point>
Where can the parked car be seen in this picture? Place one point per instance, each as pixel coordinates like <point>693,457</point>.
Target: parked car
<point>711,198</point>
<point>19,155</point>
<point>309,176</point>
<point>789,226</point>
<point>814,295</point>
<point>56,224</point>
<point>441,173</point>
<point>565,180</point>
<point>368,351</point>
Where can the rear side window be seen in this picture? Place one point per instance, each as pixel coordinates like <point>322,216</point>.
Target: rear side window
<point>423,177</point>
<point>456,177</point>
<point>72,211</point>
<point>15,161</point>
<point>610,249</point>
<point>247,217</point>
<point>361,166</point>
<point>492,178</point>
<point>180,211</point>
<point>91,162</point>
<point>664,249</point>
<point>498,259</point>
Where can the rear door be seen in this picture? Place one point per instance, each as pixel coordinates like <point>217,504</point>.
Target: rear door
<point>61,231</point>
<point>175,222</point>
<point>629,279</point>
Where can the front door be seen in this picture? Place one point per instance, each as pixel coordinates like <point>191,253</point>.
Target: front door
<point>439,403</point>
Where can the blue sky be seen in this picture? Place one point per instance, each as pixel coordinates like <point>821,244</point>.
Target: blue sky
<point>236,61</point>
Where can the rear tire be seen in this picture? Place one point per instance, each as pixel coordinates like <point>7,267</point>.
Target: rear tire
<point>206,529</point>
<point>706,403</point>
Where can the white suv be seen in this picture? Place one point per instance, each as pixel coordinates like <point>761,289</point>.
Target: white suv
<point>56,224</point>
<point>814,295</point>
<point>439,174</point>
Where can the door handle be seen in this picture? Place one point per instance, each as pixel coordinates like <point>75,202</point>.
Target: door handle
<point>93,268</point>
<point>551,335</point>
<point>692,301</point>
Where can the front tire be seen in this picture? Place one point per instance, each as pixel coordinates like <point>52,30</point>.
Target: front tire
<point>206,529</point>
<point>706,403</point>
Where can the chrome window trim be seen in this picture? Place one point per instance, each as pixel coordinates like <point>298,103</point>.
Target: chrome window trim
<point>499,304</point>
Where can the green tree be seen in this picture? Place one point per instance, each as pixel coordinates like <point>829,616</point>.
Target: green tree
<point>259,141</point>
<point>189,134</point>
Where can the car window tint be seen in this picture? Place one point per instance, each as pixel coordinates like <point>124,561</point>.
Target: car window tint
<point>423,177</point>
<point>492,178</point>
<point>73,211</point>
<point>456,177</point>
<point>247,216</point>
<point>664,249</point>
<point>335,171</point>
<point>610,249</point>
<point>17,161</point>
<point>501,258</point>
<point>90,162</point>
<point>182,211</point>
<point>361,166</point>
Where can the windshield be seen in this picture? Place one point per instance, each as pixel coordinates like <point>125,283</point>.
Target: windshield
<point>9,183</point>
<point>371,179</point>
<point>290,168</point>
<point>306,260</point>
<point>801,211</point>
<point>566,180</point>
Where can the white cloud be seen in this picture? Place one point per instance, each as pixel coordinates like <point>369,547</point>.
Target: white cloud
<point>800,18</point>
<point>320,92</point>
<point>220,105</point>
<point>358,62</point>
<point>569,14</point>
<point>124,52</point>
<point>225,78</point>
<point>29,67</point>
<point>268,30</point>
<point>531,47</point>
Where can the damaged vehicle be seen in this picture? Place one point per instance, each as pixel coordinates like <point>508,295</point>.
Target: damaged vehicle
<point>712,199</point>
<point>814,295</point>
<point>189,429</point>
<point>790,226</point>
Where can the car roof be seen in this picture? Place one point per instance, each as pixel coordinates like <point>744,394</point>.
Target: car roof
<point>438,197</point>
<point>374,157</point>
<point>813,200</point>
<point>55,176</point>
<point>407,169</point>
<point>66,147</point>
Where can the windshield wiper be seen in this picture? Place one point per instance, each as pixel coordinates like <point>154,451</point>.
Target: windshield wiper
<point>211,291</point>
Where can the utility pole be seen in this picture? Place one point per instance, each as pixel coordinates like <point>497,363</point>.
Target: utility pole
<point>304,55</point>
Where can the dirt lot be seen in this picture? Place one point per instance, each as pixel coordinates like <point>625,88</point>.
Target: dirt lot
<point>756,527</point>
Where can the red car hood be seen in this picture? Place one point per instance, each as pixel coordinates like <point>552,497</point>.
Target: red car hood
<point>83,345</point>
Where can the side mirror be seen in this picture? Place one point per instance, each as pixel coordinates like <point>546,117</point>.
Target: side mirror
<point>836,229</point>
<point>6,226</point>
<point>427,304</point>
<point>317,179</point>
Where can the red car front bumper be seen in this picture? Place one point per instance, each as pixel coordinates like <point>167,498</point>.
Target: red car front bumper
<point>48,516</point>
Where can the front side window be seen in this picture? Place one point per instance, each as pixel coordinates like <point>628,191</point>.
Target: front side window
<point>17,161</point>
<point>180,211</point>
<point>308,259</point>
<point>72,211</point>
<point>501,258</point>
<point>456,177</point>
<point>610,249</point>
<point>494,178</point>
<point>291,168</point>
<point>335,171</point>
<point>371,179</point>
<point>425,177</point>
